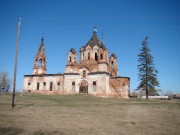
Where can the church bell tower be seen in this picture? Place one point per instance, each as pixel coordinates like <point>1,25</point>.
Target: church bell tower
<point>40,60</point>
<point>72,57</point>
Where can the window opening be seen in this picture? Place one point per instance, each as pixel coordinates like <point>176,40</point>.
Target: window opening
<point>73,86</point>
<point>38,86</point>
<point>36,62</point>
<point>44,85</point>
<point>101,56</point>
<point>94,86</point>
<point>112,62</point>
<point>84,73</point>
<point>40,62</point>
<point>88,55</point>
<point>58,86</point>
<point>96,56</point>
<point>51,85</point>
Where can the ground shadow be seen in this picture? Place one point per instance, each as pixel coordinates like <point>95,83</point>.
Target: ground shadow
<point>25,105</point>
<point>40,132</point>
<point>10,131</point>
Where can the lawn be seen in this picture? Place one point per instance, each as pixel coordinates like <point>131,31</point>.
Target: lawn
<point>85,114</point>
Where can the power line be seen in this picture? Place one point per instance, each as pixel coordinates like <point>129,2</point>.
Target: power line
<point>91,17</point>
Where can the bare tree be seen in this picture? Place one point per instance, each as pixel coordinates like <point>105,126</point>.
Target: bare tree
<point>169,94</point>
<point>4,82</point>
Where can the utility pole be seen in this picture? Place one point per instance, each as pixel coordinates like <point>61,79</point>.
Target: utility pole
<point>15,66</point>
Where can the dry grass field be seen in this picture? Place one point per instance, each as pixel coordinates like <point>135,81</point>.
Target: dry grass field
<point>37,114</point>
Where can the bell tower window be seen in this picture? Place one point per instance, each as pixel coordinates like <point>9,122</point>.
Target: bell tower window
<point>36,62</point>
<point>112,62</point>
<point>101,56</point>
<point>70,59</point>
<point>96,56</point>
<point>40,62</point>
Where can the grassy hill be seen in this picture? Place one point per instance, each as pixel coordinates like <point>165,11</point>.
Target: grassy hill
<point>85,114</point>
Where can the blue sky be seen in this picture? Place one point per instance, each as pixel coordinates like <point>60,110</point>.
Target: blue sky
<point>68,24</point>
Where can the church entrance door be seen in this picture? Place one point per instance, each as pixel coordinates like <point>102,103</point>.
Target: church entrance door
<point>83,88</point>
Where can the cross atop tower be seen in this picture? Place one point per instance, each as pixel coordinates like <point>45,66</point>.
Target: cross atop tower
<point>42,39</point>
<point>95,29</point>
<point>102,38</point>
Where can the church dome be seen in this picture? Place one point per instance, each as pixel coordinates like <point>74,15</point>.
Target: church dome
<point>113,55</point>
<point>94,40</point>
<point>73,51</point>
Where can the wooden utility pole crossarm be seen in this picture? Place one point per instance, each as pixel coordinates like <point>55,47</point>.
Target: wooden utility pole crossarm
<point>15,65</point>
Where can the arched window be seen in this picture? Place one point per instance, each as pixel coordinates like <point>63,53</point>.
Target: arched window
<point>40,62</point>
<point>58,85</point>
<point>38,86</point>
<point>101,56</point>
<point>74,59</point>
<point>84,73</point>
<point>73,86</point>
<point>51,86</point>
<point>96,56</point>
<point>112,62</point>
<point>70,59</point>
<point>94,86</point>
<point>83,56</point>
<point>36,62</point>
<point>44,85</point>
<point>88,55</point>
